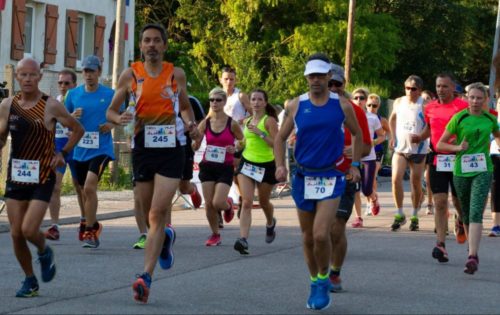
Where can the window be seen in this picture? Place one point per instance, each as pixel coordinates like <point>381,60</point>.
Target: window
<point>81,41</point>
<point>28,30</point>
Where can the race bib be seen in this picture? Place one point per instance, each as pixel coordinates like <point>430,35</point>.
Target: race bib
<point>61,131</point>
<point>445,162</point>
<point>215,154</point>
<point>25,171</point>
<point>160,136</point>
<point>254,172</point>
<point>318,187</point>
<point>90,140</point>
<point>473,163</point>
<point>410,126</point>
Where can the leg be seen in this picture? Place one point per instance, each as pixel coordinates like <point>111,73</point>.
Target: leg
<point>211,211</point>
<point>399,164</point>
<point>55,200</point>
<point>90,199</point>
<point>264,191</point>
<point>416,170</point>
<point>16,212</point>
<point>247,189</point>
<point>140,219</point>
<point>478,197</point>
<point>441,215</point>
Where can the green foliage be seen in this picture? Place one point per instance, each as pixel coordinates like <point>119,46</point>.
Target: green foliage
<point>124,182</point>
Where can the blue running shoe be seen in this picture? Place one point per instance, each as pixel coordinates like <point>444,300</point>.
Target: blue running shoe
<point>47,264</point>
<point>141,287</point>
<point>29,288</point>
<point>321,299</point>
<point>314,290</point>
<point>166,258</point>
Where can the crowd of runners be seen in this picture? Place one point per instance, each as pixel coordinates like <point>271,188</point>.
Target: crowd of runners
<point>444,143</point>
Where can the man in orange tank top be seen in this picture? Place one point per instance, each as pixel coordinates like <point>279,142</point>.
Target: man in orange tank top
<point>160,92</point>
<point>30,117</point>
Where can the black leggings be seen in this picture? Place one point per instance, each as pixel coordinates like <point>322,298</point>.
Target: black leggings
<point>495,189</point>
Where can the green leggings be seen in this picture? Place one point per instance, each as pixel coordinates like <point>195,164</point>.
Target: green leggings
<point>472,192</point>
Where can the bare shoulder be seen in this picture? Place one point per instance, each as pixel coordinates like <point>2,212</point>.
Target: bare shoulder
<point>345,104</point>
<point>179,73</point>
<point>5,106</point>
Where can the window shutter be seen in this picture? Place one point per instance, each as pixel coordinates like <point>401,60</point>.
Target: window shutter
<point>71,38</point>
<point>99,28</point>
<point>17,39</point>
<point>50,49</point>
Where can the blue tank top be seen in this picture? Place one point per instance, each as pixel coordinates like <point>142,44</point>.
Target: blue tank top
<point>320,136</point>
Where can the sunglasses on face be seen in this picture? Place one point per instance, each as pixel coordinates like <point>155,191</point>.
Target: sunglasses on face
<point>63,82</point>
<point>412,88</point>
<point>218,100</point>
<point>334,83</point>
<point>372,105</point>
<point>359,98</point>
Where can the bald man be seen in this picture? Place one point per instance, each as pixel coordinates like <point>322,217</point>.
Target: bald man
<point>30,117</point>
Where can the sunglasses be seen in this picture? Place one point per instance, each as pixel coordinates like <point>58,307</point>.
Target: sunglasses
<point>360,98</point>
<point>218,100</point>
<point>412,88</point>
<point>334,83</point>
<point>372,105</point>
<point>63,82</point>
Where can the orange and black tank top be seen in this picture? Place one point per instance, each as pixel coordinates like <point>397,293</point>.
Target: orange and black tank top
<point>31,140</point>
<point>156,99</point>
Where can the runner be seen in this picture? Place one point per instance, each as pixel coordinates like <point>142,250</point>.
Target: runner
<point>66,81</point>
<point>495,186</point>
<point>158,156</point>
<point>437,114</point>
<point>88,103</point>
<point>318,117</point>
<point>257,168</point>
<point>216,168</point>
<point>473,167</point>
<point>407,118</point>
<point>30,118</point>
<point>338,235</point>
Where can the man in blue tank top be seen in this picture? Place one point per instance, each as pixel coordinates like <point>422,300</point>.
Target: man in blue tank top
<point>318,118</point>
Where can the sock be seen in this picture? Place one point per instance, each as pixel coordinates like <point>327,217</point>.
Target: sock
<point>400,212</point>
<point>96,225</point>
<point>56,226</point>
<point>335,271</point>
<point>313,279</point>
<point>82,219</point>
<point>415,211</point>
<point>322,277</point>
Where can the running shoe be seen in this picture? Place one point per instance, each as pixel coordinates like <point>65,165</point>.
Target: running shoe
<point>141,287</point>
<point>358,222</point>
<point>47,264</point>
<point>414,223</point>
<point>335,283</point>
<point>312,294</point>
<point>321,299</point>
<point>368,210</point>
<point>399,221</point>
<point>375,207</point>
<point>270,232</point>
<point>213,240</point>
<point>241,245</point>
<point>81,230</point>
<point>495,231</point>
<point>459,231</point>
<point>439,252</point>
<point>97,229</point>
<point>229,212</point>
<point>52,233</point>
<point>195,197</point>
<point>29,288</point>
<point>166,258</point>
<point>430,209</point>
<point>141,242</point>
<point>471,265</point>
<point>220,220</point>
<point>90,239</point>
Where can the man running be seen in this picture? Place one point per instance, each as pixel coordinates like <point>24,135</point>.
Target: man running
<point>66,81</point>
<point>88,103</point>
<point>318,118</point>
<point>158,153</point>
<point>437,114</point>
<point>30,118</point>
<point>407,118</point>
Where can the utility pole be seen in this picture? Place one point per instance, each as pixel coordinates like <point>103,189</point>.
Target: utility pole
<point>493,73</point>
<point>350,34</point>
<point>118,52</point>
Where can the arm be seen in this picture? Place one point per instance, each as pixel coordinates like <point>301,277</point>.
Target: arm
<point>272,129</point>
<point>352,123</point>
<point>201,129</point>
<point>238,134</point>
<point>443,144</point>
<point>185,106</point>
<point>380,136</point>
<point>392,123</point>
<point>496,134</point>
<point>426,132</point>
<point>281,137</point>
<point>245,101</point>
<point>4,120</point>
<point>113,112</point>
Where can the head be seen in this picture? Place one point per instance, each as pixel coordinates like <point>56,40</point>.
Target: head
<point>360,97</point>
<point>445,86</point>
<point>28,75</point>
<point>228,78</point>
<point>337,80</point>
<point>413,87</point>
<point>66,80</point>
<point>427,95</point>
<point>92,70</point>
<point>153,42</point>
<point>477,96</point>
<point>217,98</point>
<point>259,103</point>
<point>373,103</point>
<point>318,73</point>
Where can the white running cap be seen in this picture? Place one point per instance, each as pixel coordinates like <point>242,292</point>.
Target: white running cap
<point>317,66</point>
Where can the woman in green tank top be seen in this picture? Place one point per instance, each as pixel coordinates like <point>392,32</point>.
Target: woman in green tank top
<point>257,167</point>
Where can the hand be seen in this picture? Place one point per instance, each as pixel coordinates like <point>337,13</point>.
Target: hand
<point>77,113</point>
<point>414,138</point>
<point>230,149</point>
<point>254,129</point>
<point>353,174</point>
<point>348,152</point>
<point>125,118</point>
<point>57,161</point>
<point>392,143</point>
<point>281,174</point>
<point>463,146</point>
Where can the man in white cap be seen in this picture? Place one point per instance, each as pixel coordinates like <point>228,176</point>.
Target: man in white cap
<point>318,118</point>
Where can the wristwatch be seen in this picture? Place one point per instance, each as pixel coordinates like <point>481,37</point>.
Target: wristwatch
<point>263,135</point>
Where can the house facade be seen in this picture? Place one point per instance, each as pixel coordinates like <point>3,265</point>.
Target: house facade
<point>59,34</point>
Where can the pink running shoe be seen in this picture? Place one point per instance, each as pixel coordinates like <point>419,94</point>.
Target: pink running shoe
<point>195,197</point>
<point>375,207</point>
<point>229,212</point>
<point>358,222</point>
<point>213,240</point>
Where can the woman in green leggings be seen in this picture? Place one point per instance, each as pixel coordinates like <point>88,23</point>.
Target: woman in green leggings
<point>473,167</point>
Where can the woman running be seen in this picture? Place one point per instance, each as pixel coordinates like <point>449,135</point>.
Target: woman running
<point>257,167</point>
<point>216,168</point>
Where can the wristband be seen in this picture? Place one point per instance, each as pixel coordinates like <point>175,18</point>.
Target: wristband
<point>356,164</point>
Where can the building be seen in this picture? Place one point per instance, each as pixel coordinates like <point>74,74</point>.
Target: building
<point>59,34</point>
